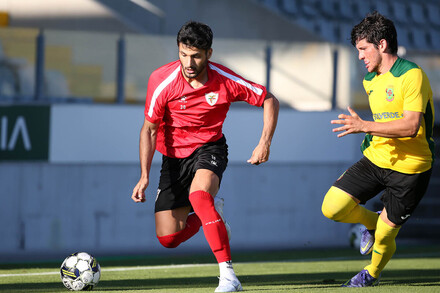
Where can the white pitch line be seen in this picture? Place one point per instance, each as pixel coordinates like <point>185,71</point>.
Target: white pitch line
<point>205,265</point>
<point>116,269</point>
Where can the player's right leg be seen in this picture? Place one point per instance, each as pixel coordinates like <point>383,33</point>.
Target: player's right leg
<point>203,190</point>
<point>175,226</point>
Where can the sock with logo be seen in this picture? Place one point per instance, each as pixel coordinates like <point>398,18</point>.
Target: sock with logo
<point>226,270</point>
<point>384,247</point>
<point>340,207</point>
<point>193,225</point>
<point>213,226</point>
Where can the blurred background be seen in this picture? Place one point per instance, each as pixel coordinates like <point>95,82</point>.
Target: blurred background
<point>73,80</point>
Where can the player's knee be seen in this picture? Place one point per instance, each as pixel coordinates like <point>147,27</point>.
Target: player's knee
<point>330,212</point>
<point>201,201</point>
<point>169,241</point>
<point>335,205</point>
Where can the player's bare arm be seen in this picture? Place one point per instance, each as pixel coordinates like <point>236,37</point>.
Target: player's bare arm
<point>271,108</point>
<point>147,146</point>
<point>408,126</point>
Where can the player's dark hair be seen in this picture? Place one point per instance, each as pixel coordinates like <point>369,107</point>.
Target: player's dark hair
<point>375,27</point>
<point>195,34</point>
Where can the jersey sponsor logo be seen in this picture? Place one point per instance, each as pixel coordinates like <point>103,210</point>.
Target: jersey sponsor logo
<point>211,98</point>
<point>387,115</point>
<point>369,93</point>
<point>390,94</point>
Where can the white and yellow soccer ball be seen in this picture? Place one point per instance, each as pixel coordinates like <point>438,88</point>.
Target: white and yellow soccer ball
<point>80,272</point>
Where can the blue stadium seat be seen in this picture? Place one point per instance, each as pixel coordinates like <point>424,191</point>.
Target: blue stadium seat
<point>416,12</point>
<point>435,39</point>
<point>309,7</point>
<point>400,12</point>
<point>346,8</point>
<point>420,39</point>
<point>289,6</point>
<point>361,8</point>
<point>403,37</point>
<point>329,8</point>
<point>327,29</point>
<point>433,13</point>
<point>382,7</point>
<point>345,33</point>
<point>306,22</point>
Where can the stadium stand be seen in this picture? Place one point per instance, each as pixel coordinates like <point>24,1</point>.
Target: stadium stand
<point>417,22</point>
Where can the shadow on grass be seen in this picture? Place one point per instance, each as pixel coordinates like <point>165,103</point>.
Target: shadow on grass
<point>418,277</point>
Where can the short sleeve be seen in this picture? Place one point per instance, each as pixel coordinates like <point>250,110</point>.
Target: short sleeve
<point>414,91</point>
<point>241,89</point>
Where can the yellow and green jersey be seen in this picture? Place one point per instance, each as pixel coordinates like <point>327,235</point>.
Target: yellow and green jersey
<point>404,88</point>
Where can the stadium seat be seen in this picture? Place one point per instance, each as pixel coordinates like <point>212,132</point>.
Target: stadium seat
<point>345,33</point>
<point>289,7</point>
<point>306,22</point>
<point>400,11</point>
<point>382,7</point>
<point>435,39</point>
<point>328,8</point>
<point>420,39</point>
<point>361,8</point>
<point>403,37</point>
<point>416,12</point>
<point>346,8</point>
<point>327,29</point>
<point>309,8</point>
<point>433,13</point>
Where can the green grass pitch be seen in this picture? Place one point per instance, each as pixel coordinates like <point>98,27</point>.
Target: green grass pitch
<point>413,269</point>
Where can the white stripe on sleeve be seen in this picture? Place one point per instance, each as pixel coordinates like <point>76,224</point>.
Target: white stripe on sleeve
<point>256,90</point>
<point>160,88</point>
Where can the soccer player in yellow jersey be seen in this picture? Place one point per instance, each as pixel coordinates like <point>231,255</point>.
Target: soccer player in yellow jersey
<point>398,147</point>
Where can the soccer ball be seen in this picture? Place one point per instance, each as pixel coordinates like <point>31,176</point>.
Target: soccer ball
<point>354,235</point>
<point>80,272</point>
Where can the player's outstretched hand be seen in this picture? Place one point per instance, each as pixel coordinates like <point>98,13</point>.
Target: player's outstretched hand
<point>260,154</point>
<point>351,123</point>
<point>138,194</point>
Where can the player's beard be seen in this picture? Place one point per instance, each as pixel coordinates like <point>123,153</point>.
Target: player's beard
<point>196,70</point>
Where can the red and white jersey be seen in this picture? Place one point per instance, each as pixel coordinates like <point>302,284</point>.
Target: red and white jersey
<point>191,117</point>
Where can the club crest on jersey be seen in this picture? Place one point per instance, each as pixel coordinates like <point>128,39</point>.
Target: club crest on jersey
<point>390,94</point>
<point>211,98</point>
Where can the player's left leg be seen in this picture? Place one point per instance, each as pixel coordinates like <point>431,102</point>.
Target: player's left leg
<point>403,194</point>
<point>203,189</point>
<point>384,245</point>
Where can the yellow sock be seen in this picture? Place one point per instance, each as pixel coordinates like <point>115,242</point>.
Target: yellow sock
<point>383,249</point>
<point>340,207</point>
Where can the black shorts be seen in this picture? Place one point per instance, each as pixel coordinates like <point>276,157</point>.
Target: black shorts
<point>177,174</point>
<point>402,192</point>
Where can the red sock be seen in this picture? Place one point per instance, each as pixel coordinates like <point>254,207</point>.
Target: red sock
<point>213,226</point>
<point>173,240</point>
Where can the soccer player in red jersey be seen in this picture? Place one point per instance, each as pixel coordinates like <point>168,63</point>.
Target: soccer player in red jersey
<point>186,105</point>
